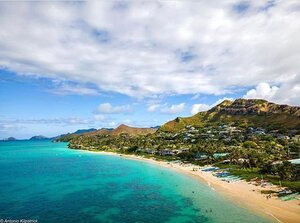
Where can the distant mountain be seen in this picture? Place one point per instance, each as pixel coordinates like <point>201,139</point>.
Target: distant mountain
<point>102,131</point>
<point>132,131</point>
<point>67,137</point>
<point>244,112</point>
<point>155,127</point>
<point>39,137</point>
<point>81,131</point>
<point>10,139</point>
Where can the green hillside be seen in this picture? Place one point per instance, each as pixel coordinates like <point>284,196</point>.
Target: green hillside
<point>251,112</point>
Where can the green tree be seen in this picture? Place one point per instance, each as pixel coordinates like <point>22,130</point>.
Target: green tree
<point>285,170</point>
<point>250,144</point>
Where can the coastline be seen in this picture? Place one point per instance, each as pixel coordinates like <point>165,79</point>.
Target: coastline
<point>241,193</point>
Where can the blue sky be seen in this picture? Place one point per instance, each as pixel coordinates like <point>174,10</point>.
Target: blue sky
<point>66,66</point>
<point>31,106</point>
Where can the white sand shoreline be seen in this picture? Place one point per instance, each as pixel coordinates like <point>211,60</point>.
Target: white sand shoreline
<point>242,193</point>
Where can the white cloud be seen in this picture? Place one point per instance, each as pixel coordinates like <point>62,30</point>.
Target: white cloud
<point>153,107</point>
<point>162,47</point>
<point>204,107</point>
<point>47,121</point>
<point>199,107</point>
<point>6,127</point>
<point>196,96</point>
<point>112,124</point>
<point>287,93</point>
<point>107,108</point>
<point>221,100</point>
<point>25,128</point>
<point>76,121</point>
<point>262,90</point>
<point>99,117</point>
<point>173,109</point>
<point>67,89</point>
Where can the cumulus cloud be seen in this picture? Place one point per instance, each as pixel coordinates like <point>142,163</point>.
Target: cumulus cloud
<point>158,47</point>
<point>107,108</point>
<point>173,109</point>
<point>262,90</point>
<point>204,107</point>
<point>199,107</point>
<point>153,107</point>
<point>287,93</point>
<point>71,89</point>
<point>166,108</point>
<point>99,117</point>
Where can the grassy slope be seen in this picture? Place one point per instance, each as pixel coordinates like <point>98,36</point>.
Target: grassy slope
<point>133,131</point>
<point>279,120</point>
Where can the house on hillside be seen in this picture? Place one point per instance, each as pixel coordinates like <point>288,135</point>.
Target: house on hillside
<point>283,137</point>
<point>296,138</point>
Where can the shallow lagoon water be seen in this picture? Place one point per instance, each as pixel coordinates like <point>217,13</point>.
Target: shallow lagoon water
<point>51,183</point>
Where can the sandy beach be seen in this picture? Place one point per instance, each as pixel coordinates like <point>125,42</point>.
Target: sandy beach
<point>242,193</point>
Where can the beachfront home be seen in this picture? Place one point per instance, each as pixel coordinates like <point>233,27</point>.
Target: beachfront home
<point>177,151</point>
<point>166,152</point>
<point>200,156</point>
<point>150,151</point>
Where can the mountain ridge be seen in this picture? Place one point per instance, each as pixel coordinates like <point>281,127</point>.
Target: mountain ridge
<point>38,137</point>
<point>256,112</point>
<point>123,129</point>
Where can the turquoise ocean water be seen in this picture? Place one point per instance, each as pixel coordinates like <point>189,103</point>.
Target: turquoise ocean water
<point>51,183</point>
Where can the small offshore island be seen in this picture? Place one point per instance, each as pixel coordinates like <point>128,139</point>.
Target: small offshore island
<point>246,149</point>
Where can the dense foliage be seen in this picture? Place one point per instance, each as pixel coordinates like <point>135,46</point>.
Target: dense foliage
<point>247,148</point>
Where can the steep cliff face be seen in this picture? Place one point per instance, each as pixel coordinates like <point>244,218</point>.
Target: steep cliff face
<point>247,112</point>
